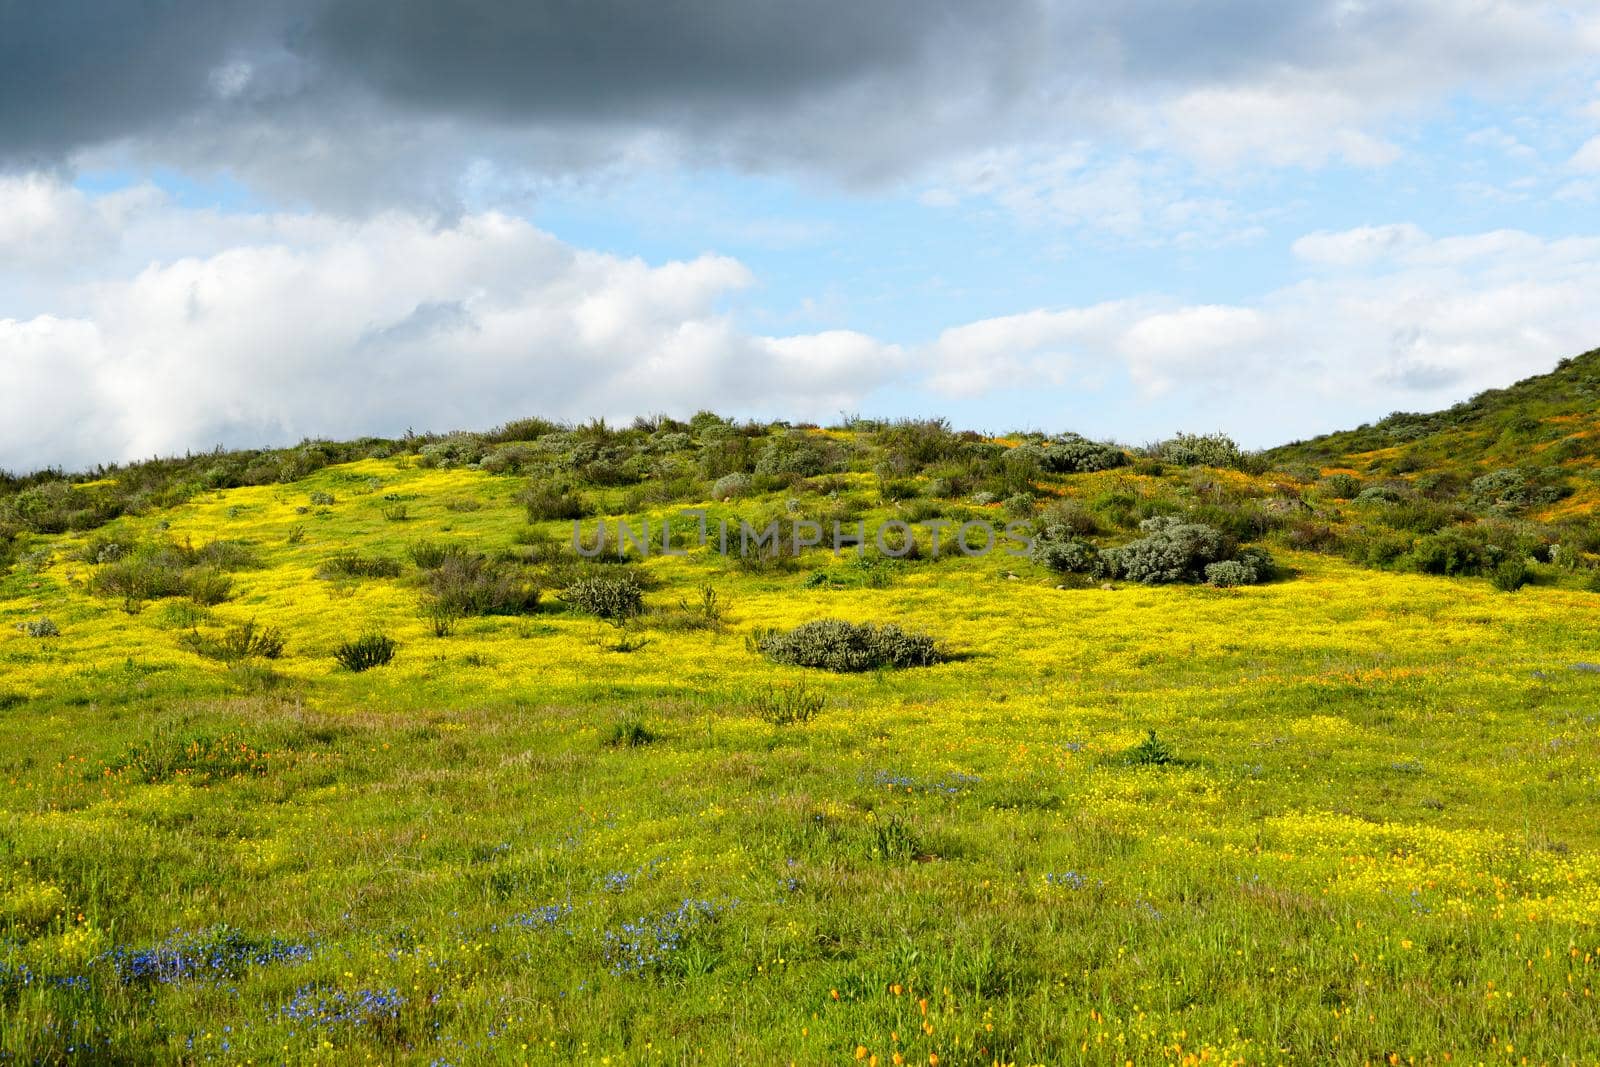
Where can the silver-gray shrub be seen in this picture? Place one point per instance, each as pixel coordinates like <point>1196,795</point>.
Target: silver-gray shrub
<point>1170,551</point>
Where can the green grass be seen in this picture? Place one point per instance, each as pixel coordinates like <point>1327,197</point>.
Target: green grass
<point>1339,816</point>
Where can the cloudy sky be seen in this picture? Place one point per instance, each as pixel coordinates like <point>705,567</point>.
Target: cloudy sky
<point>248,221</point>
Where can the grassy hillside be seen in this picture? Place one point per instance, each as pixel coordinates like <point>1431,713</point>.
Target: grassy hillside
<point>1334,817</point>
<point>1553,417</point>
<point>1527,452</point>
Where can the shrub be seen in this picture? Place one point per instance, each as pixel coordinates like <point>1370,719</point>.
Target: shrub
<point>40,628</point>
<point>1170,551</point>
<point>1510,575</point>
<point>1056,548</point>
<point>245,641</point>
<point>1072,454</point>
<point>1018,505</point>
<point>1078,520</point>
<point>1377,548</point>
<point>365,652</point>
<point>1421,516</point>
<point>137,579</point>
<point>731,486</point>
<point>835,645</point>
<point>430,554</point>
<point>787,705</point>
<point>1448,553</point>
<point>1342,486</point>
<point>441,618</point>
<point>475,585</point>
<point>919,442</point>
<point>355,565</point>
<point>396,513</point>
<point>321,500</point>
<point>101,549</point>
<point>1379,494</point>
<point>547,503</point>
<point>1151,752</point>
<point>708,607</point>
<point>1252,566</point>
<point>793,453</point>
<point>1514,489</point>
<point>613,599</point>
<point>1200,450</point>
<point>1313,536</point>
<point>1228,573</point>
<point>628,731</point>
<point>208,587</point>
<point>167,569</point>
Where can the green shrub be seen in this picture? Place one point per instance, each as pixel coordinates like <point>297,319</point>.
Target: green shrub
<point>441,617</point>
<point>1200,450</point>
<point>1380,494</point>
<point>101,549</point>
<point>1421,516</point>
<point>793,453</point>
<point>365,652</point>
<point>1151,752</point>
<point>628,731</point>
<point>156,571</point>
<point>396,513</point>
<point>1059,550</point>
<point>708,607</point>
<point>1170,551</point>
<point>355,565</point>
<point>430,554</point>
<point>1251,566</point>
<point>475,585</point>
<point>245,641</point>
<point>1376,547</point>
<point>137,579</point>
<point>613,599</point>
<point>1313,536</point>
<point>1514,489</point>
<point>1228,573</point>
<point>788,705</point>
<point>1448,552</point>
<point>1072,454</point>
<point>916,443</point>
<point>321,500</point>
<point>1116,507</point>
<point>1072,515</point>
<point>1017,505</point>
<point>1510,575</point>
<point>208,587</point>
<point>835,645</point>
<point>40,628</point>
<point>546,503</point>
<point>731,486</point>
<point>1341,486</point>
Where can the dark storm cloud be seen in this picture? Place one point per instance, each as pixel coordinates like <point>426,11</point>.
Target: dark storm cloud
<point>75,72</point>
<point>620,58</point>
<point>338,94</point>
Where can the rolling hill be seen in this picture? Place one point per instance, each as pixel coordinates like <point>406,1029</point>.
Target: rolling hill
<point>351,752</point>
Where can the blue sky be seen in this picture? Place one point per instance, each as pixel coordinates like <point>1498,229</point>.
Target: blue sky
<point>297,219</point>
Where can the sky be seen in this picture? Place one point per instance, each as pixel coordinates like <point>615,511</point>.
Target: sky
<point>247,222</point>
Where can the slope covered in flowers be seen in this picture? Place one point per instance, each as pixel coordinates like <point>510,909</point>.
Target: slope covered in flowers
<point>1344,815</point>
